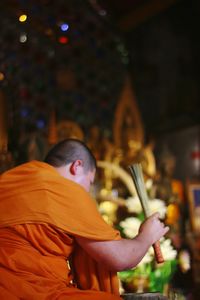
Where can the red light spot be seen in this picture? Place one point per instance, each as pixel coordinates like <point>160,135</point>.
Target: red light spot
<point>63,40</point>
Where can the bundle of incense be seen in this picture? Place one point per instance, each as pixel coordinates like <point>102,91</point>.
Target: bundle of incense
<point>138,179</point>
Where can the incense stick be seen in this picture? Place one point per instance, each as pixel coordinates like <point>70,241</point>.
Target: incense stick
<point>138,179</point>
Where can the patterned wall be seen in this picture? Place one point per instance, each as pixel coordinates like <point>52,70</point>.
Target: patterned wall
<point>78,69</point>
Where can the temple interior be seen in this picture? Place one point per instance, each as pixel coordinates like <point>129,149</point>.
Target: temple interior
<point>122,76</point>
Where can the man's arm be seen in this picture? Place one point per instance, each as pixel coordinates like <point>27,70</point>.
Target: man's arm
<point>125,254</point>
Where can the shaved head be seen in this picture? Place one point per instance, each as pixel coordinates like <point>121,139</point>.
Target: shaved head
<point>68,151</point>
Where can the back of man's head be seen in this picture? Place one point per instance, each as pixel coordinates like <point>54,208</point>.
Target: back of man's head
<point>68,151</point>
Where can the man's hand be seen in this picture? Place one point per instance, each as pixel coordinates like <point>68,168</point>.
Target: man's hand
<point>153,229</point>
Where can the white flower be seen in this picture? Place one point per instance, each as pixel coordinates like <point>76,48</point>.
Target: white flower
<point>169,253</point>
<point>157,205</point>
<point>147,258</point>
<point>130,226</point>
<point>133,205</point>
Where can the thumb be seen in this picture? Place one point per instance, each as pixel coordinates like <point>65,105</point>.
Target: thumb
<point>166,229</point>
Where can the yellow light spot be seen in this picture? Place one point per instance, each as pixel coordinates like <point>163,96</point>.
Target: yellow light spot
<point>1,76</point>
<point>23,18</point>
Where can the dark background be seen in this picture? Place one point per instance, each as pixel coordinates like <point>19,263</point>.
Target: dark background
<point>162,40</point>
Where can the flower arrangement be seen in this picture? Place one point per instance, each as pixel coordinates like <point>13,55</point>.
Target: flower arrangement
<point>147,276</point>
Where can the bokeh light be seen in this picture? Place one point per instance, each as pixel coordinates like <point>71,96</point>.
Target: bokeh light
<point>23,18</point>
<point>40,123</point>
<point>63,40</point>
<point>23,38</point>
<point>64,26</point>
<point>1,76</point>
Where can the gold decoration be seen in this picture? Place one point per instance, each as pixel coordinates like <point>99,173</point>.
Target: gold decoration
<point>128,128</point>
<point>147,160</point>
<point>94,141</point>
<point>69,129</point>
<point>119,172</point>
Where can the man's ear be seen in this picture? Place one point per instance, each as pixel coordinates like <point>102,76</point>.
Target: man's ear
<point>75,166</point>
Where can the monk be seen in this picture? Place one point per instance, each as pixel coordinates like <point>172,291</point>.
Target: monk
<point>54,244</point>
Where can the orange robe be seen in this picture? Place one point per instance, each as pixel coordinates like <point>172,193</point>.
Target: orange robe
<point>41,213</point>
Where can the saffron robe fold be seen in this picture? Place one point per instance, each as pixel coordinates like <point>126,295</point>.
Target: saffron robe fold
<point>41,214</point>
